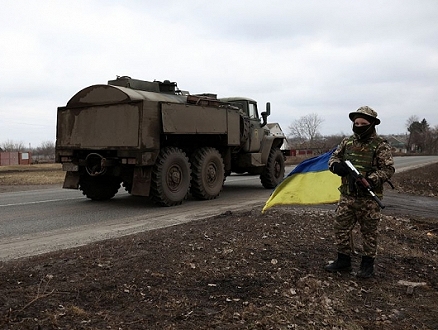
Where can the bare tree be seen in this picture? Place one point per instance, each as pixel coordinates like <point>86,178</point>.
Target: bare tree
<point>47,148</point>
<point>411,119</point>
<point>45,152</point>
<point>306,129</point>
<point>332,141</point>
<point>10,145</point>
<point>410,125</point>
<point>434,133</point>
<point>431,141</point>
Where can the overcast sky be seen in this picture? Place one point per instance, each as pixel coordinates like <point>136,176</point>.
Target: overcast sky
<point>305,57</point>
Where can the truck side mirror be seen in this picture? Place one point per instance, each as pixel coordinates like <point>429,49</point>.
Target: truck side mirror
<point>266,113</point>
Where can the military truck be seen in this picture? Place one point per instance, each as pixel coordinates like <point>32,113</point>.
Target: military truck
<point>162,143</point>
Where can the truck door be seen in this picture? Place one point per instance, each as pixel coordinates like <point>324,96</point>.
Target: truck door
<point>256,131</point>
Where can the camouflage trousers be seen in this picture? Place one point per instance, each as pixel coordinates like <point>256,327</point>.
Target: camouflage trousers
<point>352,210</point>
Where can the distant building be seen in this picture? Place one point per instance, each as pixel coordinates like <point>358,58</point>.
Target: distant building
<point>15,158</point>
<point>398,143</point>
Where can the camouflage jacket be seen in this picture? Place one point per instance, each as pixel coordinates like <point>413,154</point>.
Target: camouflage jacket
<point>377,172</point>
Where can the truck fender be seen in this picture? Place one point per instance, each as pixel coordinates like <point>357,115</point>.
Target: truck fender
<point>268,143</point>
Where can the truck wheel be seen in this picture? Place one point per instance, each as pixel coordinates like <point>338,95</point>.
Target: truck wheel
<point>273,173</point>
<point>208,173</point>
<point>245,127</point>
<point>99,188</point>
<point>170,177</point>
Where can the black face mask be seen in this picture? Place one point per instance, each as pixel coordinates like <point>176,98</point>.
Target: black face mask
<point>363,131</point>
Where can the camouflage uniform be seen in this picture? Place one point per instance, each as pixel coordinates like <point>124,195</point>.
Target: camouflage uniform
<point>371,156</point>
<point>356,205</point>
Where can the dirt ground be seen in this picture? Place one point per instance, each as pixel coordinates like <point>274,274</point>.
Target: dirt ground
<point>239,270</point>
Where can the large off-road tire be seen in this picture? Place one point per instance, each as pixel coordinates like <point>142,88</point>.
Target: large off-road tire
<point>208,173</point>
<point>245,128</point>
<point>170,182</point>
<point>273,173</point>
<point>99,188</point>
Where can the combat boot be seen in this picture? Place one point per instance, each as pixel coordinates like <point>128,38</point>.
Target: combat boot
<point>342,264</point>
<point>366,267</point>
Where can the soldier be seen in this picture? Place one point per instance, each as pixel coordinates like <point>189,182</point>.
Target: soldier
<point>371,155</point>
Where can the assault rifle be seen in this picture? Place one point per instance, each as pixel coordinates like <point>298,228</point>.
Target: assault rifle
<point>359,178</point>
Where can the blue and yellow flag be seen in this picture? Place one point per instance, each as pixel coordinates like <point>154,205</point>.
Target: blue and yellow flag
<point>310,182</point>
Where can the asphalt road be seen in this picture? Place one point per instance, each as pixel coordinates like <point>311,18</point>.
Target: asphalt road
<point>39,221</point>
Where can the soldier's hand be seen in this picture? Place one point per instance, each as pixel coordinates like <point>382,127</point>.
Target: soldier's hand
<point>339,168</point>
<point>373,179</point>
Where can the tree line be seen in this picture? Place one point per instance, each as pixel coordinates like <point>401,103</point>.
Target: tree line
<point>45,151</point>
<point>420,137</point>
<point>304,133</point>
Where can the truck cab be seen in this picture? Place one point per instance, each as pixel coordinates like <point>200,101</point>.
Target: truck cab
<point>256,128</point>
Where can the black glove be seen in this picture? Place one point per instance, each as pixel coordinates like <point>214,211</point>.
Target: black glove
<point>340,169</point>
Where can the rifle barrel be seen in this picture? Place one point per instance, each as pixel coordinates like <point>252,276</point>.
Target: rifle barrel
<point>363,181</point>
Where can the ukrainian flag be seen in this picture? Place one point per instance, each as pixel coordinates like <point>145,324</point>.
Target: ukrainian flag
<point>311,182</point>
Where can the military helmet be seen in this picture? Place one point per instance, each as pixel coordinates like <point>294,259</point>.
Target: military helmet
<point>365,112</point>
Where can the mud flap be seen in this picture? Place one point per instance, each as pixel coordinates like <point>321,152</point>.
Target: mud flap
<point>141,181</point>
<point>71,180</point>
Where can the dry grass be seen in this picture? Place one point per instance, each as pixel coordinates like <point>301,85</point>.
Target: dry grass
<point>30,168</point>
<point>38,174</point>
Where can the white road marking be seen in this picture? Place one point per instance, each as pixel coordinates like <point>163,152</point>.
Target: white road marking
<point>40,202</point>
